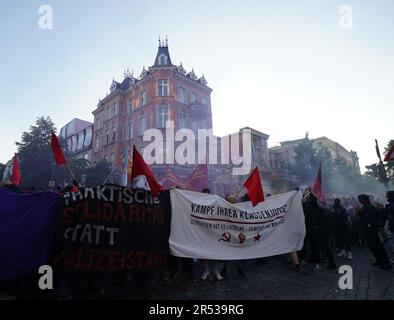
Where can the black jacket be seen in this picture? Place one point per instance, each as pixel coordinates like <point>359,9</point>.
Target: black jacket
<point>339,217</point>
<point>369,216</point>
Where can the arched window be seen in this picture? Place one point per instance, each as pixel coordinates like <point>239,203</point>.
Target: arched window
<point>163,60</point>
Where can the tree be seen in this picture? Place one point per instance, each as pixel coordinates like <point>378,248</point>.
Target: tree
<point>305,162</point>
<point>34,150</point>
<point>84,171</point>
<point>339,178</point>
<point>98,173</point>
<point>2,168</point>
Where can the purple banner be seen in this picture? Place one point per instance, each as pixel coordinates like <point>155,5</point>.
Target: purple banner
<point>27,229</point>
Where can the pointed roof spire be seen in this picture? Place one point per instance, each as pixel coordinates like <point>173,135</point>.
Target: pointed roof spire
<point>163,58</point>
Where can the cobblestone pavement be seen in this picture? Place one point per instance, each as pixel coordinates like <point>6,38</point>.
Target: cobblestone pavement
<point>276,280</point>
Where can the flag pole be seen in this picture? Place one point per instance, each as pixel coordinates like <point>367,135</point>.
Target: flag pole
<point>242,186</point>
<point>70,172</point>
<point>235,197</point>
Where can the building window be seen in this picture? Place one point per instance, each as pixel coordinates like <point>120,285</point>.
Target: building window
<point>113,134</point>
<point>162,87</point>
<point>194,97</point>
<point>112,160</point>
<point>131,104</point>
<point>98,123</point>
<point>161,116</point>
<point>142,125</point>
<point>163,60</point>
<point>107,136</point>
<point>121,133</point>
<point>115,109</point>
<point>143,98</point>
<point>204,101</point>
<point>129,130</point>
<point>108,113</point>
<point>182,120</point>
<point>182,95</point>
<point>97,144</point>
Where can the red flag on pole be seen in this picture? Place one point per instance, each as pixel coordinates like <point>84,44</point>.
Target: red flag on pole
<point>140,168</point>
<point>57,151</point>
<point>16,172</point>
<point>317,188</point>
<point>255,189</point>
<point>390,155</point>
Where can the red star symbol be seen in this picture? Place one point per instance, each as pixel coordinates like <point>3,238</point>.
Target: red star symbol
<point>257,238</point>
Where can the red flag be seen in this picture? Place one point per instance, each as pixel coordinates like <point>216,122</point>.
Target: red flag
<point>140,168</point>
<point>16,172</point>
<point>390,155</point>
<point>57,150</point>
<point>317,188</point>
<point>255,189</point>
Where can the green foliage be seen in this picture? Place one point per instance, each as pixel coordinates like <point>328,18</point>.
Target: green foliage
<point>38,164</point>
<point>306,162</point>
<point>2,168</point>
<point>338,177</point>
<point>98,173</point>
<point>35,153</point>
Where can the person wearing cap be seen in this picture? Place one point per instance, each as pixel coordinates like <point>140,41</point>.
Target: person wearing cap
<point>369,217</point>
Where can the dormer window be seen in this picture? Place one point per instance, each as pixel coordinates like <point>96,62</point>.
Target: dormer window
<point>162,60</point>
<point>192,75</point>
<point>144,73</point>
<point>181,70</point>
<point>113,86</point>
<point>203,81</point>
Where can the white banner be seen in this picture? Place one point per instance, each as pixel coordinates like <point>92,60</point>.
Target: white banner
<point>205,226</point>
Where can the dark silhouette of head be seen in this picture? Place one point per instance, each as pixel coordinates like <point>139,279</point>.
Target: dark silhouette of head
<point>364,199</point>
<point>390,196</point>
<point>206,190</point>
<point>313,199</point>
<point>337,202</point>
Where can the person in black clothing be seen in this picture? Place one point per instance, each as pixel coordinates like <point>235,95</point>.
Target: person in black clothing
<point>369,217</point>
<point>390,215</point>
<point>341,227</point>
<point>318,231</point>
<point>390,208</point>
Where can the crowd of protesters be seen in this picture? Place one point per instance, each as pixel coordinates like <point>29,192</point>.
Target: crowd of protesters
<point>333,228</point>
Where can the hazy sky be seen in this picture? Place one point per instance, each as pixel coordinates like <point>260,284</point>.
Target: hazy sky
<point>281,67</point>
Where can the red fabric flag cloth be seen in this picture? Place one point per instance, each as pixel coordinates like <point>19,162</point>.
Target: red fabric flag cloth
<point>390,155</point>
<point>16,177</point>
<point>140,168</point>
<point>255,189</point>
<point>317,188</point>
<point>57,150</point>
